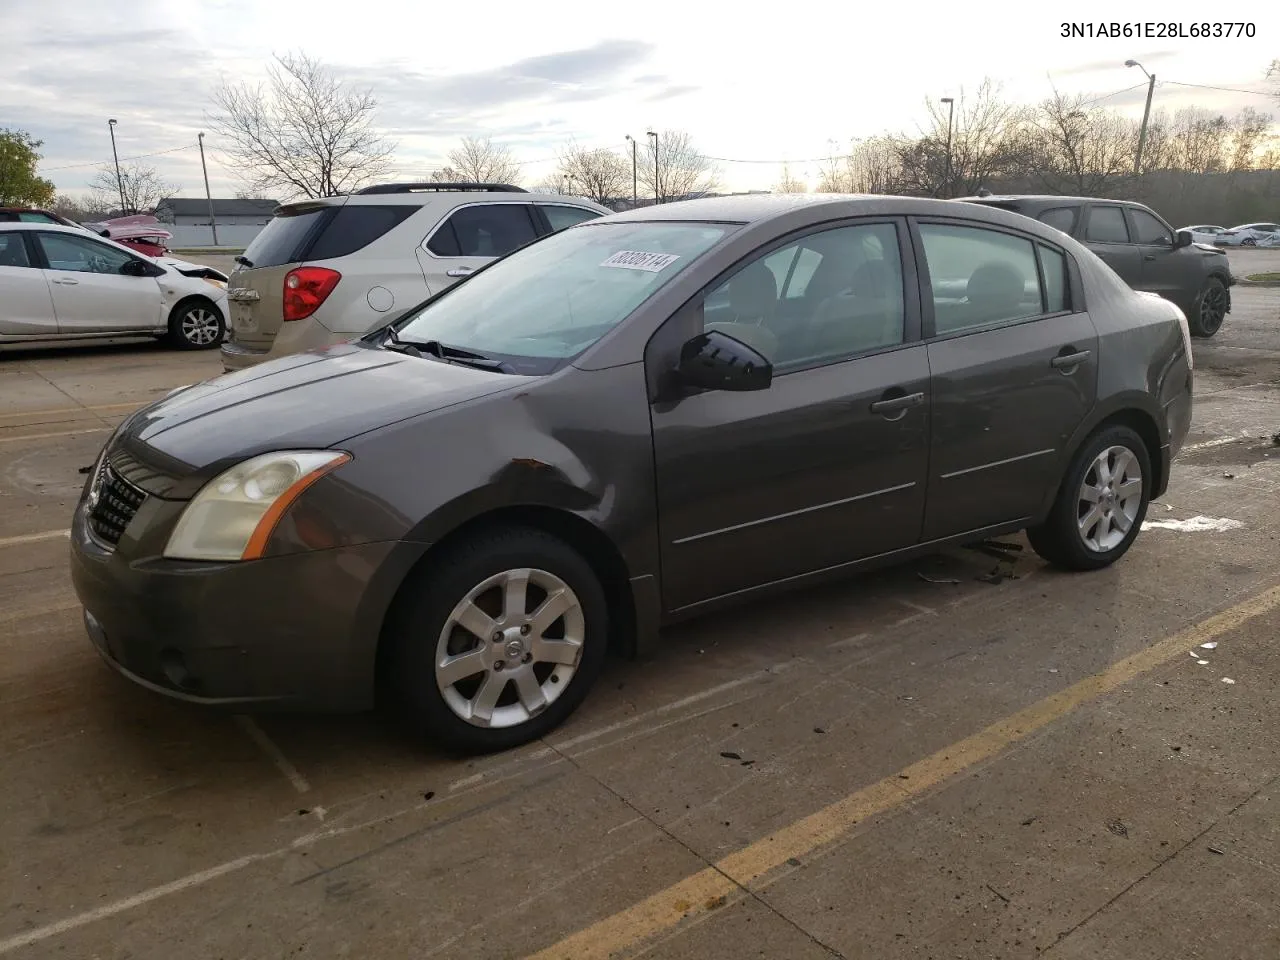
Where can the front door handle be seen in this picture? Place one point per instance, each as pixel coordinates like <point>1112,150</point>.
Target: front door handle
<point>460,272</point>
<point>66,281</point>
<point>1149,257</point>
<point>898,405</point>
<point>1069,360</point>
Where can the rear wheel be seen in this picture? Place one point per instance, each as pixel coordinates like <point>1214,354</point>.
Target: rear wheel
<point>499,642</point>
<point>1101,503</point>
<point>1210,309</point>
<point>1248,242</point>
<point>196,324</point>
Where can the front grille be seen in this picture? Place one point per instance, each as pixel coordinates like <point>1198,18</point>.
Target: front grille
<point>113,503</point>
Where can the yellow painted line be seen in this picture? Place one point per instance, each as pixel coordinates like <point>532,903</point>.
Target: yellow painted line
<point>62,410</point>
<point>59,433</point>
<point>709,888</point>
<point>33,538</point>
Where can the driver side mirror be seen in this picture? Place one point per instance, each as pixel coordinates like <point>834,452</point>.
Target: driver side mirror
<point>1182,238</point>
<point>138,268</point>
<point>716,361</point>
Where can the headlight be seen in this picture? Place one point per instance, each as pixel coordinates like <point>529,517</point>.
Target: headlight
<point>220,284</point>
<point>232,516</point>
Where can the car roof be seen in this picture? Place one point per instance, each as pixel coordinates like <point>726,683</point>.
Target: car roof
<point>1048,199</point>
<point>56,227</point>
<point>455,198</point>
<point>760,207</point>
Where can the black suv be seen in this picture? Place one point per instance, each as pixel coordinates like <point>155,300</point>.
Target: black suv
<point>1145,251</point>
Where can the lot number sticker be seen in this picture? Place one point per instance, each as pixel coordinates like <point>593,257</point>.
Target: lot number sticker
<point>639,260</point>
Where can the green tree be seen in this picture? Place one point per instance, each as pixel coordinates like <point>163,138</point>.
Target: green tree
<point>19,185</point>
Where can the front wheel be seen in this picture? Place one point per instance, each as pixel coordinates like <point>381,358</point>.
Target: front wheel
<point>1101,503</point>
<point>1248,242</point>
<point>499,642</point>
<point>1210,309</point>
<point>196,325</point>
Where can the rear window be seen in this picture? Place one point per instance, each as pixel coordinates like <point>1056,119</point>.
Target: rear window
<point>286,237</point>
<point>355,227</point>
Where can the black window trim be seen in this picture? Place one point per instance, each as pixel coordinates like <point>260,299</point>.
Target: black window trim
<point>929,334</point>
<point>690,311</point>
<point>32,249</point>
<point>447,220</point>
<point>1076,210</point>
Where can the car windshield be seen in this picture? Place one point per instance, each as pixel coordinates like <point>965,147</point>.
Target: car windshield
<point>554,298</point>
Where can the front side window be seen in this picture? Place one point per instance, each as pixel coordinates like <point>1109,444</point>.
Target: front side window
<point>561,217</point>
<point>826,297</point>
<point>13,251</point>
<point>1106,225</point>
<point>979,277</point>
<point>1149,229</point>
<point>81,254</point>
<point>486,230</point>
<point>557,297</point>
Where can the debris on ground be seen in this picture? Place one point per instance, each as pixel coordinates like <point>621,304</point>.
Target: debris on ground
<point>928,579</point>
<point>1118,828</point>
<point>1218,850</point>
<point>1228,476</point>
<point>998,575</point>
<point>995,548</point>
<point>730,755</point>
<point>1196,524</point>
<point>87,469</point>
<point>1210,645</point>
<point>1227,680</point>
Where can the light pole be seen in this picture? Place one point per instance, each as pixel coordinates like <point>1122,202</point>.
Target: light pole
<point>111,125</point>
<point>1146,115</point>
<point>657,192</point>
<point>635,188</point>
<point>213,223</point>
<point>951,112</point>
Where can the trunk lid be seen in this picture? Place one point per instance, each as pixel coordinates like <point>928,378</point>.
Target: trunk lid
<point>255,291</point>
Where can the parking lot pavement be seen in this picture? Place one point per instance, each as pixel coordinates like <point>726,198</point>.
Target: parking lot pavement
<point>964,757</point>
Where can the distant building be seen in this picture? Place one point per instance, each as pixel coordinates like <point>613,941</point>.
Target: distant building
<point>194,211</point>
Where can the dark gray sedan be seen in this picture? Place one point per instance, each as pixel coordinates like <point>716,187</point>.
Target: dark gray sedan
<point>640,419</point>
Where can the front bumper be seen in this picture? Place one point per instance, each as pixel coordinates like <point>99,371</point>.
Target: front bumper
<point>298,631</point>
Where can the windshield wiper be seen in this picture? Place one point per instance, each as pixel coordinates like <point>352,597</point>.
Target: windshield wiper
<point>442,352</point>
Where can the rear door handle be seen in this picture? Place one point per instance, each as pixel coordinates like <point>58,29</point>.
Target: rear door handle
<point>460,272</point>
<point>896,404</point>
<point>66,281</point>
<point>1066,360</point>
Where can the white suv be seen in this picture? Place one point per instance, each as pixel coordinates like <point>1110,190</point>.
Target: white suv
<point>324,271</point>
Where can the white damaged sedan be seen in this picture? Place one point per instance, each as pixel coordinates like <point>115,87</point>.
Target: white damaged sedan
<point>59,283</point>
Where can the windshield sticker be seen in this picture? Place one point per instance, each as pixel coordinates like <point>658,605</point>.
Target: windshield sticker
<point>639,260</point>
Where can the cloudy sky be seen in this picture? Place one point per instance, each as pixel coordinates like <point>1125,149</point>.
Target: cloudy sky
<point>779,82</point>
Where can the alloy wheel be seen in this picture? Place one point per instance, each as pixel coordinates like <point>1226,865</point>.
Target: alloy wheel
<point>199,326</point>
<point>1109,499</point>
<point>1213,309</point>
<point>510,648</point>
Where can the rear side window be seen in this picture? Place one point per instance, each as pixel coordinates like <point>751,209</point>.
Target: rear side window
<point>286,237</point>
<point>979,277</point>
<point>562,217</point>
<point>1149,229</point>
<point>33,217</point>
<point>487,230</point>
<point>13,251</point>
<point>354,227</point>
<point>1054,264</point>
<point>1106,225</point>
<point>1061,218</point>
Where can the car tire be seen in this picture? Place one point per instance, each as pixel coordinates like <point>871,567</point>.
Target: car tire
<point>196,324</point>
<point>1081,533</point>
<point>474,694</point>
<point>1248,242</point>
<point>1210,309</point>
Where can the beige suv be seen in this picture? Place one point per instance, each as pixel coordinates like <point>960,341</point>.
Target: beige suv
<point>324,271</point>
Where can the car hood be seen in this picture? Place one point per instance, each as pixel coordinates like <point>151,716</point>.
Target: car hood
<point>304,401</point>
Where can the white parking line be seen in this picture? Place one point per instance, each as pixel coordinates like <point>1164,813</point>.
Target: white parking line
<point>255,733</point>
<point>60,433</point>
<point>61,410</point>
<point>33,538</point>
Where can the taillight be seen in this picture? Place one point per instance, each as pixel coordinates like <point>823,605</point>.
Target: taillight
<point>305,289</point>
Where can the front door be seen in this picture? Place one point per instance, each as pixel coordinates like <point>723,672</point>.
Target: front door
<point>471,237</point>
<point>90,294</point>
<point>828,464</point>
<point>27,308</point>
<point>1106,233</point>
<point>1014,363</point>
<point>1164,267</point>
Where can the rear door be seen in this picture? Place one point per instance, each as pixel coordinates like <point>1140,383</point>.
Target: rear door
<point>471,236</point>
<point>28,304</point>
<point>1013,362</point>
<point>255,290</point>
<point>90,294</point>
<point>1106,233</point>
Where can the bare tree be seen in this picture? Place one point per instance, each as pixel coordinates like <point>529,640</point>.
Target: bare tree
<point>1250,138</point>
<point>987,141</point>
<point>306,134</point>
<point>1075,150</point>
<point>140,184</point>
<point>870,166</point>
<point>478,160</point>
<point>600,174</point>
<point>789,183</point>
<point>673,167</point>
